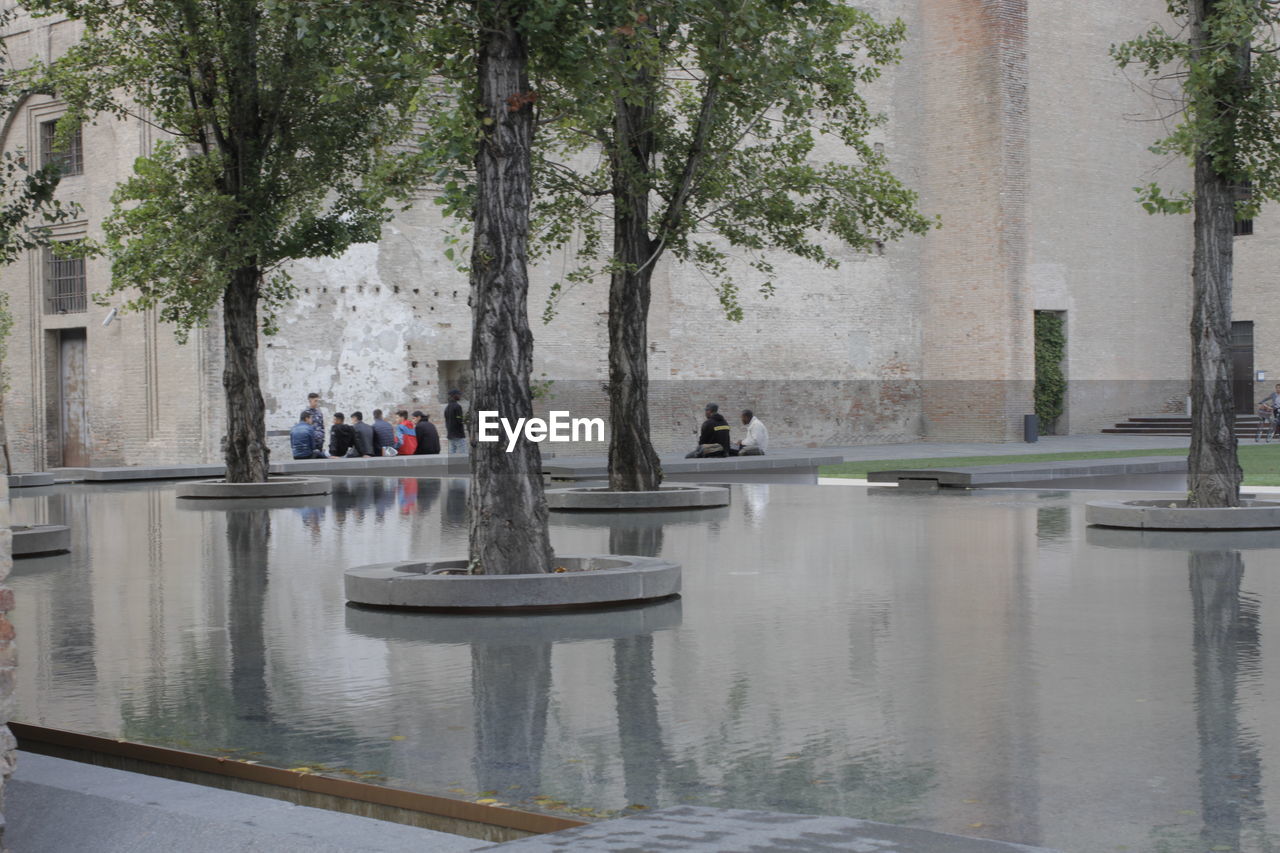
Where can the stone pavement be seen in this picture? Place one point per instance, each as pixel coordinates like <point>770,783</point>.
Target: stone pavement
<point>56,806</point>
<point>53,806</point>
<point>708,830</point>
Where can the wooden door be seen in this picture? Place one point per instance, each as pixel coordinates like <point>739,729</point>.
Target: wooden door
<point>72,391</point>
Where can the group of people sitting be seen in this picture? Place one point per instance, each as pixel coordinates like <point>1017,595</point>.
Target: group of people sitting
<point>406,434</point>
<point>714,438</point>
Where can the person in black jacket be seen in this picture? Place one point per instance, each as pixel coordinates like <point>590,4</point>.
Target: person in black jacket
<point>342,436</point>
<point>715,431</point>
<point>428,438</point>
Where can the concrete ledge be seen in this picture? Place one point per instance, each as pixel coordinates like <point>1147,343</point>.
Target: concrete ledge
<point>224,504</point>
<point>1181,540</point>
<point>38,539</point>
<point>592,580</point>
<point>25,481</point>
<point>276,487</point>
<point>1176,515</point>
<point>596,468</point>
<point>666,497</point>
<point>516,629</point>
<point>1029,472</point>
<point>710,830</point>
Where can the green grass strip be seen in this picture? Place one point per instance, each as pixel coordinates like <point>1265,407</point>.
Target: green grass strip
<point>1261,462</point>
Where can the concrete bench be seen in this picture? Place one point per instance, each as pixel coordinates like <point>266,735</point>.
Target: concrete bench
<point>1017,473</point>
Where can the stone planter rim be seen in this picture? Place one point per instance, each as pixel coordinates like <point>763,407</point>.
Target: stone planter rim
<point>39,540</point>
<point>409,584</point>
<point>1173,514</point>
<point>274,487</point>
<point>602,499</point>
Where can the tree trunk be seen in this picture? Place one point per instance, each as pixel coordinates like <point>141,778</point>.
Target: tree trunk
<point>633,464</point>
<point>1213,470</point>
<point>508,512</point>
<point>246,442</point>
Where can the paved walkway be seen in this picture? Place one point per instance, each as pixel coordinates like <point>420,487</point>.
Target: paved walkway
<point>53,805</point>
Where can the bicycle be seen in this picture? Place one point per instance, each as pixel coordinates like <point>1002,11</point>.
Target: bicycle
<point>1268,424</point>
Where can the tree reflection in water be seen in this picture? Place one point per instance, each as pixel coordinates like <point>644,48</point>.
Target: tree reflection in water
<point>1226,655</point>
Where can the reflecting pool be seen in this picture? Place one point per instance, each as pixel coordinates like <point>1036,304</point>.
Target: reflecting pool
<point>976,663</point>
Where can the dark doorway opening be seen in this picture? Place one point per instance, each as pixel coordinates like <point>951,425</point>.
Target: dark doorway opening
<point>1242,366</point>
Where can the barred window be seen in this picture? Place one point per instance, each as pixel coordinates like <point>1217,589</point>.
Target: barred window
<point>70,159</point>
<point>64,285</point>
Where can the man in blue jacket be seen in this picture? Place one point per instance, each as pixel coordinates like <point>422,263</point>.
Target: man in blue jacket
<point>303,440</point>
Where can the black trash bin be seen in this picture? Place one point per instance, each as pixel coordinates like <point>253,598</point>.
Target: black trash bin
<point>1030,428</point>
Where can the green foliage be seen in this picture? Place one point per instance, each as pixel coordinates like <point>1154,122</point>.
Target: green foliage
<point>26,194</point>
<point>1229,77</point>
<point>739,103</point>
<point>1051,383</point>
<point>283,121</point>
<point>6,326</point>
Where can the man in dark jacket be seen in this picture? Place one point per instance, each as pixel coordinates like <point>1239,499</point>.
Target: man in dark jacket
<point>342,436</point>
<point>364,435</point>
<point>302,440</point>
<point>428,438</point>
<point>715,431</point>
<point>384,434</point>
<point>454,424</point>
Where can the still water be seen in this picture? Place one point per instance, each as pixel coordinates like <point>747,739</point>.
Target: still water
<point>977,663</point>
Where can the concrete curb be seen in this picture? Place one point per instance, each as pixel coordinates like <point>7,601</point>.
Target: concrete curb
<point>612,579</point>
<point>515,629</point>
<point>25,481</point>
<point>1175,515</point>
<point>276,487</point>
<point>666,497</point>
<point>39,539</point>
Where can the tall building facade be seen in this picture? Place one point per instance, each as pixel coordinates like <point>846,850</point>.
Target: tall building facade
<point>1007,116</point>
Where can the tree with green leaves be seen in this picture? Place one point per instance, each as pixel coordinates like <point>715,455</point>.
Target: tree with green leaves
<point>280,121</point>
<point>709,115</point>
<point>1225,56</point>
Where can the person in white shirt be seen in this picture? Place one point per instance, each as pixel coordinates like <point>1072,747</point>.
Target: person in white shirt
<point>757,440</point>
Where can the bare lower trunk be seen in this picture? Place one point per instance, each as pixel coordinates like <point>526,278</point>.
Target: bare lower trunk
<point>1213,472</point>
<point>508,511</point>
<point>246,442</point>
<point>633,463</point>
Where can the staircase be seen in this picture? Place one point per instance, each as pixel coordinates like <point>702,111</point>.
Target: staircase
<point>1246,426</point>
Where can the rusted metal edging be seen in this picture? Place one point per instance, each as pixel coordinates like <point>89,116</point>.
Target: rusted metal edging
<point>490,823</point>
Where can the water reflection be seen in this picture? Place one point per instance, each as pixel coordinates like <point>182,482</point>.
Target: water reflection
<point>1227,655</point>
<point>983,666</point>
<point>248,539</point>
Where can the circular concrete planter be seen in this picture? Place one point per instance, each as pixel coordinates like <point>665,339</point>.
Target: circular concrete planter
<point>276,487</point>
<point>514,629</point>
<point>666,497</point>
<point>589,582</point>
<point>39,539</point>
<point>26,481</point>
<point>1176,515</point>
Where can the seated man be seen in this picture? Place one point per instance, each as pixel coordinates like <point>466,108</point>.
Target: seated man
<point>303,440</point>
<point>428,437</point>
<point>364,435</point>
<point>757,438</point>
<point>342,437</point>
<point>713,439</point>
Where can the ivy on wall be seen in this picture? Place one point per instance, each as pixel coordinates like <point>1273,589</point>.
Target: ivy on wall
<point>1051,383</point>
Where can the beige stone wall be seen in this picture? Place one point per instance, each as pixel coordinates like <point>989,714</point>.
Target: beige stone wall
<point>1256,297</point>
<point>147,397</point>
<point>1121,275</point>
<point>8,652</point>
<point>1007,115</point>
